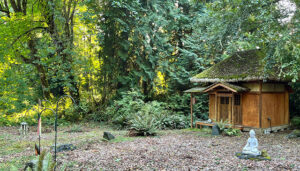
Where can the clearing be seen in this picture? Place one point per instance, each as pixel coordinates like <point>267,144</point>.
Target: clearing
<point>169,150</point>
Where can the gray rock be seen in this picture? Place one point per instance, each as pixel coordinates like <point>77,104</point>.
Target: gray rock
<point>64,147</point>
<point>294,134</point>
<point>215,130</point>
<point>108,136</point>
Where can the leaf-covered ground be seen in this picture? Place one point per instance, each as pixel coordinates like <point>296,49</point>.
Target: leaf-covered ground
<point>170,150</point>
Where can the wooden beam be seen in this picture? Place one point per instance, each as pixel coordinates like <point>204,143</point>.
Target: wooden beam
<point>224,94</point>
<point>260,104</point>
<point>217,85</point>
<point>191,110</point>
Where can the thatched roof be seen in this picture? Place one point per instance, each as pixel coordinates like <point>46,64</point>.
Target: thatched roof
<point>242,66</point>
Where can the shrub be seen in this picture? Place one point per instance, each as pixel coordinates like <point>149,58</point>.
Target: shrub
<point>223,124</point>
<point>122,110</point>
<point>232,132</point>
<point>175,122</point>
<point>143,124</point>
<point>295,122</point>
<point>180,104</point>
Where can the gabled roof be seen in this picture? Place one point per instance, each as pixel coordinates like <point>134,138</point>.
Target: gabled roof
<point>230,87</point>
<point>242,66</point>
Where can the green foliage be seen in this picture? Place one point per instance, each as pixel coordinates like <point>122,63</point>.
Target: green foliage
<point>174,122</point>
<point>132,106</point>
<point>295,100</point>
<point>143,123</point>
<point>122,110</point>
<point>180,104</point>
<point>43,162</point>
<point>232,132</point>
<point>223,124</point>
<point>295,122</point>
<point>75,128</point>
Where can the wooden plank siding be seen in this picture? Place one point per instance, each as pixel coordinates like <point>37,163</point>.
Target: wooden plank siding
<point>273,107</point>
<point>212,111</point>
<point>250,110</point>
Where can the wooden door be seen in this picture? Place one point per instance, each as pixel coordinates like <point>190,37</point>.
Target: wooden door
<point>224,108</point>
<point>237,110</point>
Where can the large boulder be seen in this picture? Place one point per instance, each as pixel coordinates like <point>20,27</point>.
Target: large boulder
<point>215,130</point>
<point>108,136</point>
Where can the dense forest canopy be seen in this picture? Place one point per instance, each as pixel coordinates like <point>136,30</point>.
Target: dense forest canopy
<point>96,50</point>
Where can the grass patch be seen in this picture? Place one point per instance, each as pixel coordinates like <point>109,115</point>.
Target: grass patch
<point>123,139</point>
<point>18,162</point>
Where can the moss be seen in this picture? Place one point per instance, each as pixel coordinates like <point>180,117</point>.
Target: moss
<point>246,65</point>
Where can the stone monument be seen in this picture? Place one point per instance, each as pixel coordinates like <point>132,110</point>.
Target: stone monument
<point>251,146</point>
<point>250,151</point>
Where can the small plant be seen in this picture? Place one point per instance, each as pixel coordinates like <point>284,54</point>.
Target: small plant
<point>42,162</point>
<point>143,124</point>
<point>232,132</point>
<point>223,125</point>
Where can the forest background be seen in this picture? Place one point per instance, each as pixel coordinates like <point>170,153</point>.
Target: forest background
<point>120,59</point>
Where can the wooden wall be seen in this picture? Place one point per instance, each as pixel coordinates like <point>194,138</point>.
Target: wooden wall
<point>250,110</point>
<point>274,106</point>
<point>212,111</point>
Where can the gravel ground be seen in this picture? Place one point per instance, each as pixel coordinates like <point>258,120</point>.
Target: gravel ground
<point>170,150</point>
<point>185,151</point>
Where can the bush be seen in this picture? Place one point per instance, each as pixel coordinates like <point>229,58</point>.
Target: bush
<point>295,122</point>
<point>4,121</point>
<point>175,122</point>
<point>143,124</point>
<point>223,124</point>
<point>123,113</point>
<point>123,110</point>
<point>180,104</point>
<point>232,132</point>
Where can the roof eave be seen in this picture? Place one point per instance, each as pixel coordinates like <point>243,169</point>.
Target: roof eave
<point>214,80</point>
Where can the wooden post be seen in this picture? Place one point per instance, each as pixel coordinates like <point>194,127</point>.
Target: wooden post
<point>232,110</point>
<point>216,107</point>
<point>260,104</point>
<point>191,110</point>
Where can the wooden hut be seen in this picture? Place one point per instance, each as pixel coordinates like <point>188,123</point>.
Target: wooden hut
<point>243,93</point>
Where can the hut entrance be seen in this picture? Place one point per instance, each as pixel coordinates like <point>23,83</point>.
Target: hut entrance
<point>224,108</point>
<point>237,109</point>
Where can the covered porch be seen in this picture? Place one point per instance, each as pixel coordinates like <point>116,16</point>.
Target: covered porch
<point>225,104</point>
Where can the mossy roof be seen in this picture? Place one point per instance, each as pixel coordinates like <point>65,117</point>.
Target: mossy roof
<point>195,90</point>
<point>241,66</point>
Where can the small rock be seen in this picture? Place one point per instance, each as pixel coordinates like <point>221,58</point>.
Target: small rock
<point>215,130</point>
<point>294,134</point>
<point>63,147</point>
<point>108,136</point>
